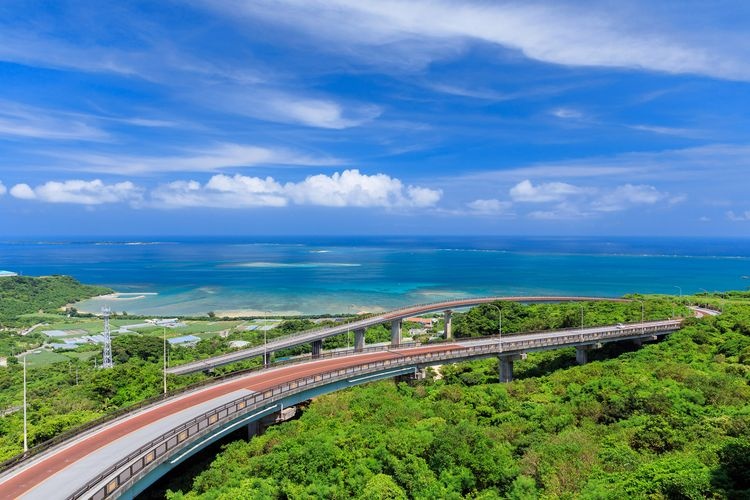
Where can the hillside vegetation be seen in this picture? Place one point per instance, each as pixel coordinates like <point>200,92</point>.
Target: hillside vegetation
<point>21,295</point>
<point>667,420</point>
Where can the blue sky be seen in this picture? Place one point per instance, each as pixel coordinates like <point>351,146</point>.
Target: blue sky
<point>269,117</point>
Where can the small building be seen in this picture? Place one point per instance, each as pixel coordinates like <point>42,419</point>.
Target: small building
<point>185,340</point>
<point>425,322</point>
<point>7,274</point>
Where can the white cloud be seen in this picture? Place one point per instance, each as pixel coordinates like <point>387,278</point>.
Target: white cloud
<point>209,159</point>
<point>22,192</point>
<point>316,112</point>
<point>567,113</point>
<point>525,191</point>
<point>571,201</point>
<point>491,206</point>
<point>562,33</point>
<point>738,217</point>
<point>221,191</point>
<point>17,120</point>
<point>79,192</point>
<point>627,195</point>
<point>349,188</point>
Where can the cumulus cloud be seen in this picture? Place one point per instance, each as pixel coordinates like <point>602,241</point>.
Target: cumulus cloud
<point>349,188</point>
<point>220,191</point>
<point>22,192</point>
<point>354,189</point>
<point>491,206</point>
<point>571,201</point>
<point>526,191</point>
<point>79,192</point>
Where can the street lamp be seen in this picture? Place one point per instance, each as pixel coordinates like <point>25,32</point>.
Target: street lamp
<point>581,304</point>
<point>643,316</point>
<point>25,428</point>
<point>164,356</point>
<point>265,339</point>
<point>499,325</point>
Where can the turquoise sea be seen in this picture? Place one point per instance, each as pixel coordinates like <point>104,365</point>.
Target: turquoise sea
<point>307,275</point>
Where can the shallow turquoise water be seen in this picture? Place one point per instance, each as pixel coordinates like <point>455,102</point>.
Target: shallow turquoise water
<point>335,275</point>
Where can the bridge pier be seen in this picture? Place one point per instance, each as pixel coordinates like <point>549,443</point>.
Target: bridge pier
<point>448,324</point>
<point>582,354</point>
<point>396,332</point>
<point>506,368</point>
<point>359,340</point>
<point>317,348</point>
<point>258,427</point>
<point>266,359</point>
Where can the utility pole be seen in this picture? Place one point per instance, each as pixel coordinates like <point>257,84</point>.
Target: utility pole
<point>25,425</point>
<point>165,361</point>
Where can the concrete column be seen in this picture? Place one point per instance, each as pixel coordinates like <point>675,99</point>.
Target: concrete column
<point>253,429</point>
<point>396,332</point>
<point>317,347</point>
<point>267,359</point>
<point>506,368</point>
<point>582,354</point>
<point>448,327</point>
<point>359,340</point>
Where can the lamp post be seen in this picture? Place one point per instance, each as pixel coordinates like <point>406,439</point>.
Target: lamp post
<point>499,325</point>
<point>643,316</point>
<point>25,428</point>
<point>265,339</point>
<point>582,322</point>
<point>164,356</point>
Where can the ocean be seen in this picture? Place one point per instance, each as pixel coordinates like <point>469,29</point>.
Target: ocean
<point>332,275</point>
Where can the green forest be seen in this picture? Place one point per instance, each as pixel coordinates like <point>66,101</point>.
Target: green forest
<point>21,295</point>
<point>670,419</point>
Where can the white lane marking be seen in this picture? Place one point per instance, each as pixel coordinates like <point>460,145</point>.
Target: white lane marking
<point>379,375</point>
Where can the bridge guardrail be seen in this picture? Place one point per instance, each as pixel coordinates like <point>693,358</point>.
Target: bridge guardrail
<point>145,458</point>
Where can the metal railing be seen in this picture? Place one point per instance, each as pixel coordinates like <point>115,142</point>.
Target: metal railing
<point>144,459</point>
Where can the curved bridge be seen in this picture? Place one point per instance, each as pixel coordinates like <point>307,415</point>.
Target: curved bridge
<point>395,317</point>
<point>122,457</point>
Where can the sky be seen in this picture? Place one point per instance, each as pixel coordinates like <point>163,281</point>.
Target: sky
<point>367,117</point>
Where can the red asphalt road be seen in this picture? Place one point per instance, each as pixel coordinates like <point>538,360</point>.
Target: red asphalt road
<point>21,483</point>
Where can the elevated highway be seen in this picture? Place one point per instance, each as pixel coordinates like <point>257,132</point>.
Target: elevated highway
<point>315,337</point>
<point>122,457</point>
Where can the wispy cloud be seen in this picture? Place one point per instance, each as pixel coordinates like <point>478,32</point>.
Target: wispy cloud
<point>30,122</point>
<point>286,107</point>
<point>209,159</point>
<point>559,33</point>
